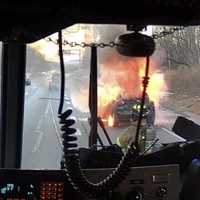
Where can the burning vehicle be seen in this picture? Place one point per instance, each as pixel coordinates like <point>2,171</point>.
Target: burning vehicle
<point>127,110</point>
<point>119,92</point>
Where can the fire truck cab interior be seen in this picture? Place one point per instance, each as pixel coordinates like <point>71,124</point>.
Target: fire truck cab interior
<point>137,176</point>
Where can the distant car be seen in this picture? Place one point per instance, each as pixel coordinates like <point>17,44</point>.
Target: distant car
<point>28,81</point>
<point>128,110</point>
<point>54,82</point>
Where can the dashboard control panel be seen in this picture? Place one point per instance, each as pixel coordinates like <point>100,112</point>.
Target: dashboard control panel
<point>154,182</point>
<point>144,183</point>
<point>34,184</point>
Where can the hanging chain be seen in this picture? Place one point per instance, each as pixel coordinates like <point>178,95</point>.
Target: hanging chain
<point>167,32</point>
<point>84,44</point>
<point>112,44</point>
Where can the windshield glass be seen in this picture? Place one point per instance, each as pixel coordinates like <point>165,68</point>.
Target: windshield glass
<point>172,91</point>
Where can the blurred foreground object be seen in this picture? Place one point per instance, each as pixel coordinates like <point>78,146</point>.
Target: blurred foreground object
<point>186,128</point>
<point>147,137</point>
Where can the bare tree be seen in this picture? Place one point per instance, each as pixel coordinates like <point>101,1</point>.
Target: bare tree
<point>182,47</point>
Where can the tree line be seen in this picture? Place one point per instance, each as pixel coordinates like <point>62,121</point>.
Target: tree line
<point>181,47</point>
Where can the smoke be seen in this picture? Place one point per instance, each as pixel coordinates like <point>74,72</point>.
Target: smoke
<point>117,76</point>
<point>48,50</point>
<point>121,76</point>
<point>159,56</point>
<point>122,72</point>
<point>80,98</point>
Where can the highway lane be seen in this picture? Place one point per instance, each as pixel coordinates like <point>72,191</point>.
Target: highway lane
<point>41,148</point>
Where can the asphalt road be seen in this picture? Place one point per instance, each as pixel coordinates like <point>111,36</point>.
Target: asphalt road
<point>42,146</point>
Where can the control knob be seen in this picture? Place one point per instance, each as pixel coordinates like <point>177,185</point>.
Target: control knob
<point>135,194</point>
<point>161,191</point>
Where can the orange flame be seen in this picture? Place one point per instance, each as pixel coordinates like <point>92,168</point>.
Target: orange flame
<point>110,121</point>
<point>156,84</point>
<point>124,78</point>
<point>107,93</point>
<point>121,77</point>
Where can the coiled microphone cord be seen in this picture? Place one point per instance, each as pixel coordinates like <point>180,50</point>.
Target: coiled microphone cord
<point>73,168</point>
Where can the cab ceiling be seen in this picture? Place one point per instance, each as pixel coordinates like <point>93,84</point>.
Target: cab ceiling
<point>29,22</point>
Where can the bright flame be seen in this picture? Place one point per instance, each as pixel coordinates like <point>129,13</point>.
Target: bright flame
<point>121,78</point>
<point>49,50</point>
<point>110,121</point>
<point>124,78</point>
<point>107,93</point>
<point>155,86</point>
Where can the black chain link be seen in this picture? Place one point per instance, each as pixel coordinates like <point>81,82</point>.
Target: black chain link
<point>167,32</point>
<point>84,44</point>
<point>112,44</point>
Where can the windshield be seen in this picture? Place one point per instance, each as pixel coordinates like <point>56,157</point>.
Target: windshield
<point>172,91</point>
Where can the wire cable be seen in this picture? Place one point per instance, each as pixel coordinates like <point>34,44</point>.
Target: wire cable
<point>145,84</point>
<point>62,70</point>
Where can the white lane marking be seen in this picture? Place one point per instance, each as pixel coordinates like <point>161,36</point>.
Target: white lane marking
<point>171,133</point>
<point>67,98</point>
<point>85,119</point>
<point>40,133</point>
<point>78,132</point>
<point>38,142</point>
<point>55,125</point>
<point>39,125</point>
<point>47,108</point>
